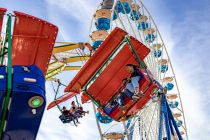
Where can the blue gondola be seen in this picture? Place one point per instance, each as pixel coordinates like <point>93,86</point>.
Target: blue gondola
<point>103,24</point>
<point>135,15</point>
<point>27,104</point>
<point>150,38</point>
<point>169,86</point>
<point>96,44</point>
<point>173,104</point>
<point>164,68</point>
<point>118,7</point>
<point>143,26</point>
<point>126,8</point>
<point>179,123</point>
<point>157,53</point>
<point>114,16</point>
<point>103,119</point>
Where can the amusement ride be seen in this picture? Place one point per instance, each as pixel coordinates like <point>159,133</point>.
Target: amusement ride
<point>121,33</point>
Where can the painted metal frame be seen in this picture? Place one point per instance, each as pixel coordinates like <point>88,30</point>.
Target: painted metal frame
<point>9,74</point>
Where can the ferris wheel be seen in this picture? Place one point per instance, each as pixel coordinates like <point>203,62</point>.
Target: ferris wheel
<point>152,121</point>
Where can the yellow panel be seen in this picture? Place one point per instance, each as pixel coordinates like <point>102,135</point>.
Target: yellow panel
<point>54,71</point>
<point>68,68</point>
<point>54,65</point>
<point>65,43</point>
<point>63,48</point>
<point>77,59</point>
<point>51,79</point>
<point>50,75</point>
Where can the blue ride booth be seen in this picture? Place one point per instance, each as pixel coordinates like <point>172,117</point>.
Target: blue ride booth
<point>3,86</point>
<point>27,103</point>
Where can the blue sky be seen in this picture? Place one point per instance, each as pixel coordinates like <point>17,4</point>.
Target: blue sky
<point>184,26</point>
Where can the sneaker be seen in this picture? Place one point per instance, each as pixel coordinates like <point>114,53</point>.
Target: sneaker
<point>135,97</point>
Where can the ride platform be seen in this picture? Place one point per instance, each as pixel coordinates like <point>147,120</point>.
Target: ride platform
<point>98,58</point>
<point>32,45</point>
<point>103,81</point>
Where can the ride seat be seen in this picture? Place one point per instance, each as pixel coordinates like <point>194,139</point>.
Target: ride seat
<point>65,119</point>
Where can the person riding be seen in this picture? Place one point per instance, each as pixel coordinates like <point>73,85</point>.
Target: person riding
<point>133,84</point>
<point>130,85</point>
<point>67,113</point>
<point>122,93</point>
<point>78,111</point>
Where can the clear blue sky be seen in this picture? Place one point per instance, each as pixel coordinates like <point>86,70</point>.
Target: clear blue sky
<point>184,26</point>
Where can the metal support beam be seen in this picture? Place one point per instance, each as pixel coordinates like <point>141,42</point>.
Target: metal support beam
<point>98,125</point>
<point>126,131</point>
<point>160,134</point>
<point>165,112</point>
<point>173,122</point>
<point>170,123</point>
<point>9,76</point>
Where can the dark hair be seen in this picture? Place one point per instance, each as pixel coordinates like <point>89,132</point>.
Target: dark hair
<point>72,102</point>
<point>131,65</point>
<point>64,107</point>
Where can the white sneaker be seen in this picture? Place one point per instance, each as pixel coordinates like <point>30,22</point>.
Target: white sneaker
<point>135,97</point>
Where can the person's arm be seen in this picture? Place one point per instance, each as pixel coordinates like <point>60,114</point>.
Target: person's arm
<point>71,110</point>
